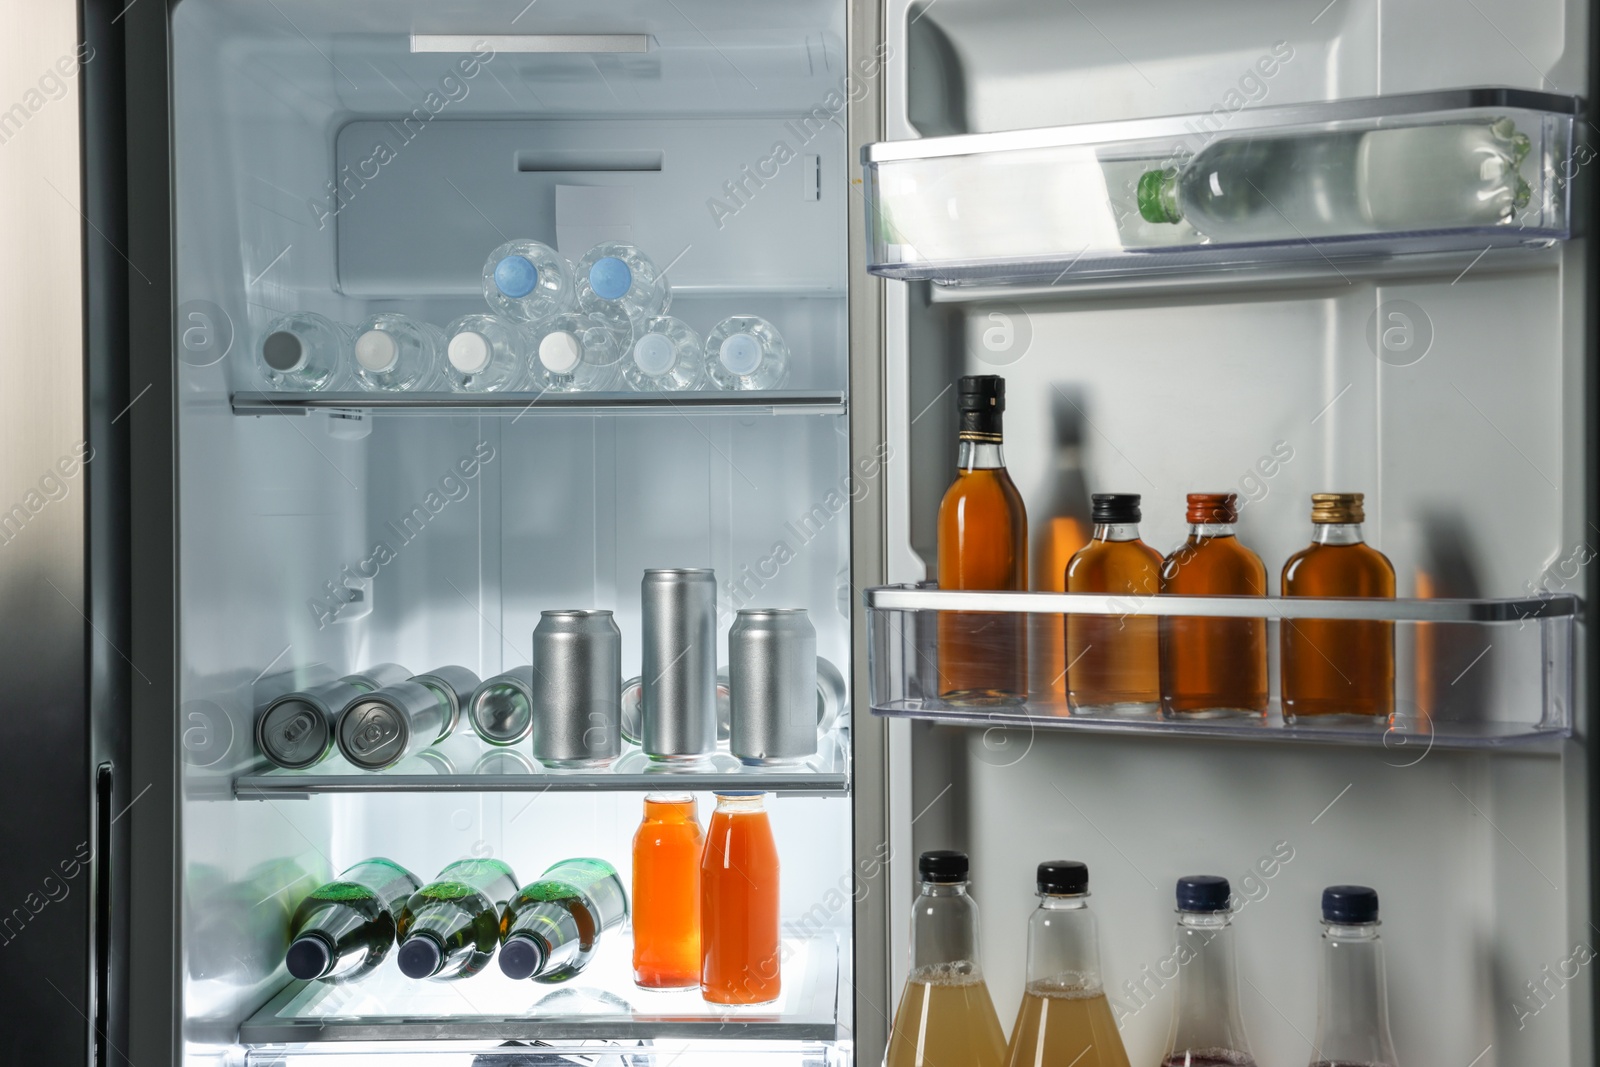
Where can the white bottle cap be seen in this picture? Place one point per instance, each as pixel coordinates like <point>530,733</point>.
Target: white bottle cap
<point>560,352</point>
<point>653,354</point>
<point>741,353</point>
<point>376,351</point>
<point>469,352</point>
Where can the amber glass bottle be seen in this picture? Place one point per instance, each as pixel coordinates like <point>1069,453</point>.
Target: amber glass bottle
<point>1113,661</point>
<point>1337,666</point>
<point>983,544</point>
<point>1213,667</point>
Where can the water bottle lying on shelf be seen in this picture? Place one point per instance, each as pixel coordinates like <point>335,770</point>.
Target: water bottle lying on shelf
<point>1292,186</point>
<point>667,357</point>
<point>747,352</point>
<point>304,351</point>
<point>581,351</point>
<point>485,354</point>
<point>528,282</point>
<point>620,277</point>
<point>397,352</point>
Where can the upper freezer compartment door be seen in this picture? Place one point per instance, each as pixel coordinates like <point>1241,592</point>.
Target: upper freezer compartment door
<point>1427,176</point>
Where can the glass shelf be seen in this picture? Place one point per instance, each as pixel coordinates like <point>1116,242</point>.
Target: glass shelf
<point>465,765</point>
<point>641,1052</point>
<point>1353,185</point>
<point>1468,673</point>
<point>754,402</point>
<point>602,1003</point>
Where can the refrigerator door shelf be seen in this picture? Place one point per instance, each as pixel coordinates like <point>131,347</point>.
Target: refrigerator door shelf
<point>517,404</point>
<point>601,1004</point>
<point>1515,659</point>
<point>1330,189</point>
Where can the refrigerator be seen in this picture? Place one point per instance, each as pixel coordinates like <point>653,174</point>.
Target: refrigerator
<point>910,192</point>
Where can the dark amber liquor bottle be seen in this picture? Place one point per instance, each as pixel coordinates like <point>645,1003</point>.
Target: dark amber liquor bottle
<point>1210,667</point>
<point>983,544</point>
<point>1113,661</point>
<point>1337,666</point>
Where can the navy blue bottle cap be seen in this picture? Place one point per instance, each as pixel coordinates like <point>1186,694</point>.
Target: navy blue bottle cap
<point>943,865</point>
<point>308,958</point>
<point>420,956</point>
<point>1115,508</point>
<point>1063,877</point>
<point>521,957</point>
<point>1203,892</point>
<point>1349,904</point>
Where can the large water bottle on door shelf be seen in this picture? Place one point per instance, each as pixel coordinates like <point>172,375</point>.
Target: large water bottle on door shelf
<point>747,352</point>
<point>1292,186</point>
<point>528,282</point>
<point>304,351</point>
<point>581,351</point>
<point>667,357</point>
<point>398,352</point>
<point>618,276</point>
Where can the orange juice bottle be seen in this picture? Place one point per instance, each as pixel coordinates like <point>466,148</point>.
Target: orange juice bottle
<point>740,951</point>
<point>666,894</point>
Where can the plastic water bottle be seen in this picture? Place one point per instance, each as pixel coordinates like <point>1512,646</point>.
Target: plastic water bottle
<point>667,357</point>
<point>528,282</point>
<point>485,354</point>
<point>747,352</point>
<point>581,351</point>
<point>620,276</point>
<point>395,352</point>
<point>304,351</point>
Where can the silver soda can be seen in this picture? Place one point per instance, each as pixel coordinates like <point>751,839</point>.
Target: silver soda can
<point>832,701</point>
<point>678,610</point>
<point>455,686</point>
<point>379,729</point>
<point>295,730</point>
<point>633,710</point>
<point>577,689</point>
<point>501,709</point>
<point>772,675</point>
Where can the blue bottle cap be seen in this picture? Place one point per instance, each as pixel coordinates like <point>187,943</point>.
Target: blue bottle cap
<point>515,276</point>
<point>1349,904</point>
<point>1203,892</point>
<point>610,278</point>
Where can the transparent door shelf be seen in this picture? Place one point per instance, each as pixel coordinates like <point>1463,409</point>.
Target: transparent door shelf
<point>1468,673</point>
<point>465,765</point>
<point>752,402</point>
<point>1061,206</point>
<point>601,1004</point>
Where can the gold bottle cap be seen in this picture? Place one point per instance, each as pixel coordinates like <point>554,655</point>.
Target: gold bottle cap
<point>1337,507</point>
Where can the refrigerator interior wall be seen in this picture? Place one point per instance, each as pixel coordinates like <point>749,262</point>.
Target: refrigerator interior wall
<point>281,515</point>
<point>1468,445</point>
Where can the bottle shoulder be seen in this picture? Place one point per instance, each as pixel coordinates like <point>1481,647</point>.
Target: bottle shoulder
<point>1114,567</point>
<point>1220,566</point>
<point>1338,570</point>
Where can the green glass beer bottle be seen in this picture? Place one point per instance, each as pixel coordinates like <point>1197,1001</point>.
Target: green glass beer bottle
<point>345,928</point>
<point>551,929</point>
<point>449,928</point>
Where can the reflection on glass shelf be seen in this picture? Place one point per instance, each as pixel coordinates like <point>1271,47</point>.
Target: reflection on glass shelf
<point>464,764</point>
<point>1468,673</point>
<point>1439,176</point>
<point>601,1003</point>
<point>638,1052</point>
<point>517,404</point>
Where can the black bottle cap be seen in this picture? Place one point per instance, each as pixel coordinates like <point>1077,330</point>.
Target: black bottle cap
<point>1116,508</point>
<point>980,400</point>
<point>308,958</point>
<point>521,957</point>
<point>1349,904</point>
<point>1203,892</point>
<point>943,866</point>
<point>420,956</point>
<point>1063,877</point>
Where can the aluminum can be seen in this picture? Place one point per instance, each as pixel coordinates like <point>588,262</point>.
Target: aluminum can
<point>455,686</point>
<point>379,729</point>
<point>577,689</point>
<point>678,610</point>
<point>772,675</point>
<point>501,709</point>
<point>296,730</point>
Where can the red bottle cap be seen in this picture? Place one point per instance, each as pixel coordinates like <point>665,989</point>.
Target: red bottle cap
<point>1214,508</point>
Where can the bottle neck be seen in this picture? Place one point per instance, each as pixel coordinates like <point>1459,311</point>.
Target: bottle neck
<point>979,455</point>
<point>1063,948</point>
<point>1352,1003</point>
<point>944,932</point>
<point>1207,1012</point>
<point>1201,531</point>
<point>1116,531</point>
<point>1336,533</point>
<point>555,930</point>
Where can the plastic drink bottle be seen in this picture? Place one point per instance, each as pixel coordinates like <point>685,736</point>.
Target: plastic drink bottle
<point>304,351</point>
<point>484,354</point>
<point>394,351</point>
<point>528,282</point>
<point>747,352</point>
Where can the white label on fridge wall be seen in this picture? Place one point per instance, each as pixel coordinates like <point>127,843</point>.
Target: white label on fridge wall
<point>587,215</point>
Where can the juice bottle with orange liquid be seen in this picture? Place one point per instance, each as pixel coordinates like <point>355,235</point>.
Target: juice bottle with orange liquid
<point>740,952</point>
<point>666,894</point>
<point>1065,1017</point>
<point>946,1017</point>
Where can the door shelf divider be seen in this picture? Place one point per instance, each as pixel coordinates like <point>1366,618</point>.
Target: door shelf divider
<point>1468,673</point>
<point>517,404</point>
<point>1374,186</point>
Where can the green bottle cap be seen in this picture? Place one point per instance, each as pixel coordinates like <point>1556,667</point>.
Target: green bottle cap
<point>1158,200</point>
